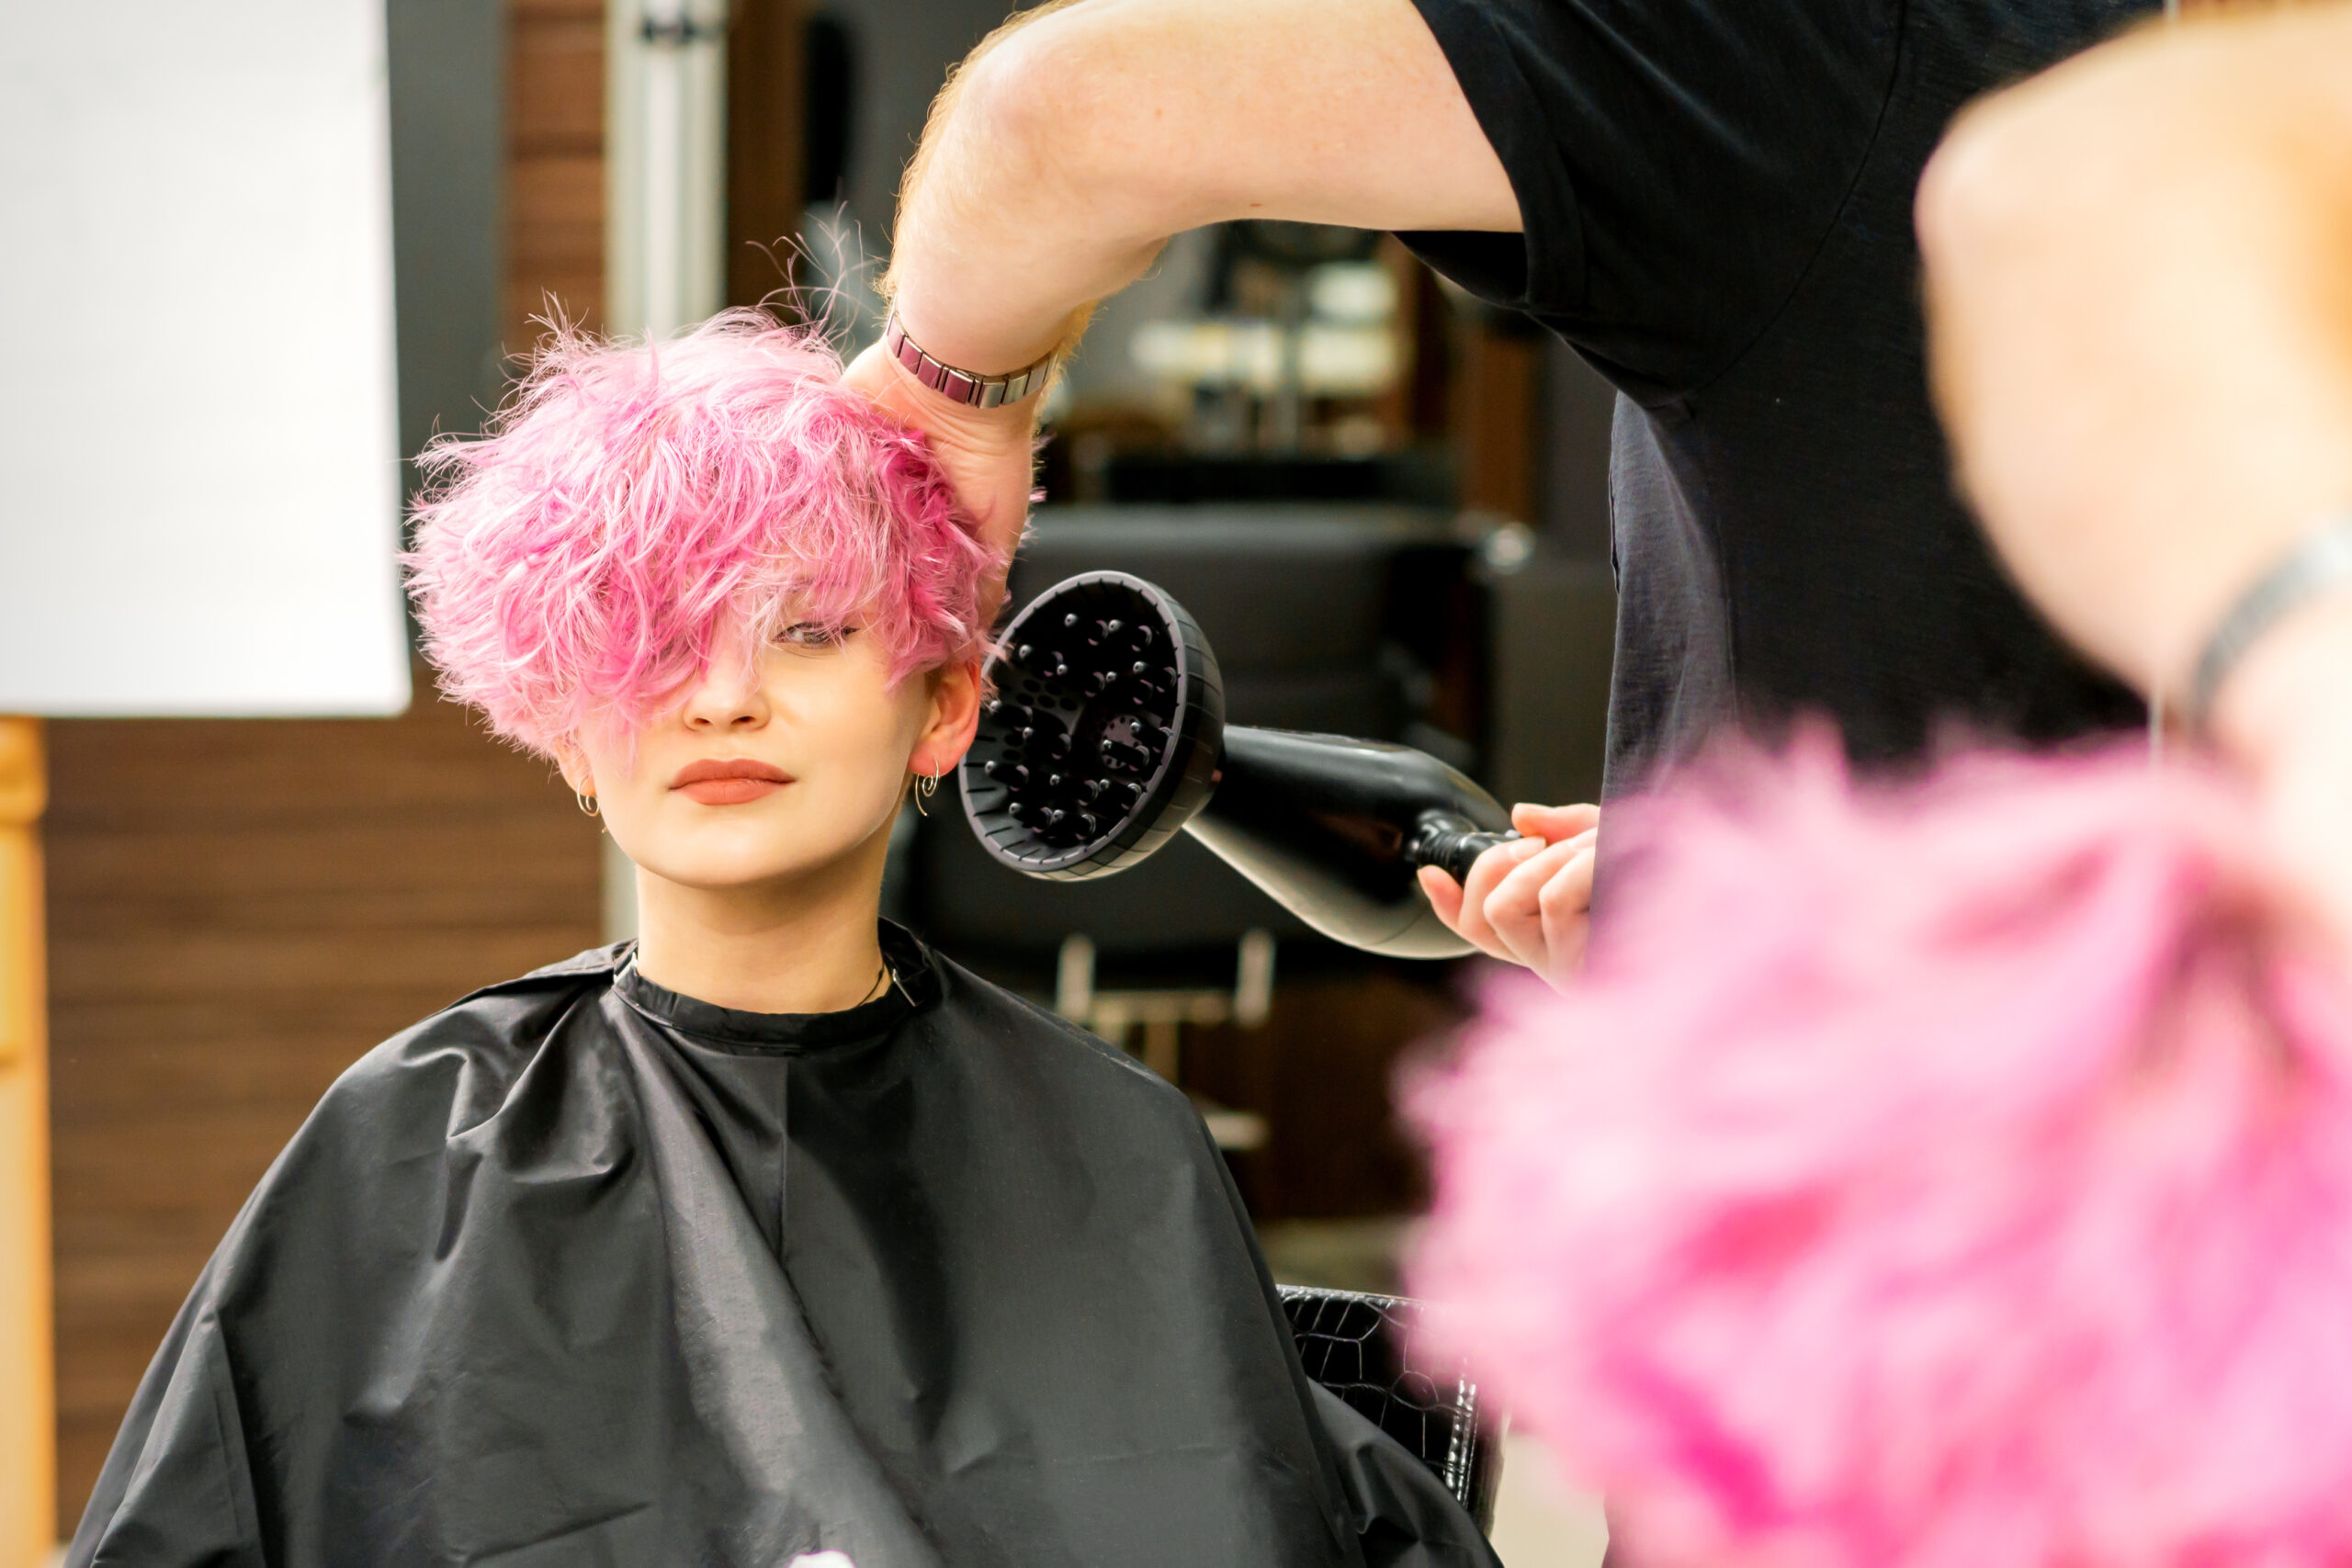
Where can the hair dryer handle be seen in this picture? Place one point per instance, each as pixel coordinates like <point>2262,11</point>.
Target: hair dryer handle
<point>1450,841</point>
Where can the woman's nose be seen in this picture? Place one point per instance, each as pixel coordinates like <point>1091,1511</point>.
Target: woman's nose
<point>728,698</point>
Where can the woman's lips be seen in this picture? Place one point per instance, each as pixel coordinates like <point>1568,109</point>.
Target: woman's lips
<point>729,792</point>
<point>733,780</point>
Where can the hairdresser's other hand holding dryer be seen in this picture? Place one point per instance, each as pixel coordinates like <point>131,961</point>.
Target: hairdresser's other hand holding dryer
<point>2139,275</point>
<point>1529,901</point>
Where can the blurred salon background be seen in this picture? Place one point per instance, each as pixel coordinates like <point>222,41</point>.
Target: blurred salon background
<point>1385,504</point>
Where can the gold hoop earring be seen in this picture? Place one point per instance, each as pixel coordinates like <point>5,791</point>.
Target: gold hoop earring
<point>588,804</point>
<point>926,786</point>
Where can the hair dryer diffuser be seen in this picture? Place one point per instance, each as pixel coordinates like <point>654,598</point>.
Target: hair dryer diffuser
<point>1107,735</point>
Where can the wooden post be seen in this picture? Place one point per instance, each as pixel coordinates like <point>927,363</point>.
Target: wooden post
<point>28,1361</point>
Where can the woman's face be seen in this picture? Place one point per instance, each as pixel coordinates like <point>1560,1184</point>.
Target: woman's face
<point>779,766</point>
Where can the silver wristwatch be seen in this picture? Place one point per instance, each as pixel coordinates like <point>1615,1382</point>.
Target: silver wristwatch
<point>980,391</point>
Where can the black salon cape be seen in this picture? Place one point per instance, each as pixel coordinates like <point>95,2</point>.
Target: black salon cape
<point>583,1271</point>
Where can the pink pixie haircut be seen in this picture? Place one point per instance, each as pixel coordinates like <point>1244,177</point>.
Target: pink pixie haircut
<point>1944,1177</point>
<point>635,505</point>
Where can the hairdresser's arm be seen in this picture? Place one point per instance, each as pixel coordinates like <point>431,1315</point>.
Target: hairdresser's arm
<point>1072,145</point>
<point>2140,281</point>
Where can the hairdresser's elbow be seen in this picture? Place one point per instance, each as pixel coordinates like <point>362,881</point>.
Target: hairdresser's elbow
<point>1031,104</point>
<point>1987,191</point>
<point>2055,171</point>
<point>1065,108</point>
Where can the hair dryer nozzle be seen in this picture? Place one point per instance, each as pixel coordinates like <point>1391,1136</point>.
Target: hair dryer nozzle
<point>1107,734</point>
<point>1101,736</point>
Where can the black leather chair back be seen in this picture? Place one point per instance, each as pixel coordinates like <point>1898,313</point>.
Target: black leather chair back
<point>1361,1348</point>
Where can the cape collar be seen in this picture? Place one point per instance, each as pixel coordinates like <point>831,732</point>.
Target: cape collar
<point>915,987</point>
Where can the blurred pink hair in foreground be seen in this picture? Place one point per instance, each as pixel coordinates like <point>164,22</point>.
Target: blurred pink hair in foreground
<point>1957,1176</point>
<point>634,505</point>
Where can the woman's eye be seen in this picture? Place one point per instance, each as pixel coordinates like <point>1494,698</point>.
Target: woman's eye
<point>813,634</point>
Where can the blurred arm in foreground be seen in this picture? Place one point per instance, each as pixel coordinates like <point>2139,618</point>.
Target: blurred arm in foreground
<point>2139,282</point>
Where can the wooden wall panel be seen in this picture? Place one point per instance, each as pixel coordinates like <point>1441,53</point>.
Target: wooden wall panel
<point>766,125</point>
<point>1493,412</point>
<point>555,192</point>
<point>237,910</point>
<point>1320,1071</point>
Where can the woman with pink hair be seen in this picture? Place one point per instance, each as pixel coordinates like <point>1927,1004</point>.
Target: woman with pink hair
<point>772,1234</point>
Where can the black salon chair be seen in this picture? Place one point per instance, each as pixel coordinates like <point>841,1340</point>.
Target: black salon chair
<point>1360,1348</point>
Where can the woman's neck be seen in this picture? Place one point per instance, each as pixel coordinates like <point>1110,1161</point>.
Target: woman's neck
<point>809,946</point>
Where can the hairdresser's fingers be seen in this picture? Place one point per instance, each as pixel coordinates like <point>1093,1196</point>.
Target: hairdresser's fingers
<point>1468,919</point>
<point>987,455</point>
<point>1514,910</point>
<point>1444,894</point>
<point>1553,823</point>
<point>1487,872</point>
<point>1566,903</point>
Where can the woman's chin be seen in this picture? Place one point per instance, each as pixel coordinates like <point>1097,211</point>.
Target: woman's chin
<point>747,866</point>
<point>760,848</point>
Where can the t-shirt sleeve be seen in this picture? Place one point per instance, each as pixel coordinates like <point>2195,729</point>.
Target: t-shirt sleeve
<point>1676,163</point>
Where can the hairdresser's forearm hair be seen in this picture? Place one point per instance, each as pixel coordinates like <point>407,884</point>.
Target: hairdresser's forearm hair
<point>2140,273</point>
<point>1078,138</point>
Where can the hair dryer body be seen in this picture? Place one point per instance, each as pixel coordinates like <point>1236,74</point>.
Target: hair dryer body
<point>1107,735</point>
<point>1334,831</point>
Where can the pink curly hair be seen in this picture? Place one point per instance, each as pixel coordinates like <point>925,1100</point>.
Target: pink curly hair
<point>1933,1178</point>
<point>584,561</point>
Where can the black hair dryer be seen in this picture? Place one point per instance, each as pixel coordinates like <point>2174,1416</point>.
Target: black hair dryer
<point>1107,734</point>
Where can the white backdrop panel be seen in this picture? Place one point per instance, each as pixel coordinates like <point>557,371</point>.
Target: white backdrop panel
<point>200,480</point>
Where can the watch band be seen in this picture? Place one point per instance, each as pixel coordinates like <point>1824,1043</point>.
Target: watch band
<point>2321,561</point>
<point>963,386</point>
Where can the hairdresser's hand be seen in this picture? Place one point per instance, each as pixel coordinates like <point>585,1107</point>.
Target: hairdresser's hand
<point>988,454</point>
<point>1528,902</point>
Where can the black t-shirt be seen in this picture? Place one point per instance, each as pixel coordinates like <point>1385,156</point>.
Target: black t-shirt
<point>1717,202</point>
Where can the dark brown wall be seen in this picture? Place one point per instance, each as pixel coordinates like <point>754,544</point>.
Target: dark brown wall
<point>1494,411</point>
<point>236,911</point>
<point>555,191</point>
<point>766,127</point>
<point>1321,1070</point>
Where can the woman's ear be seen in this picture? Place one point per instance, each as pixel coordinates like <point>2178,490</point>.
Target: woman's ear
<point>573,763</point>
<point>954,719</point>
